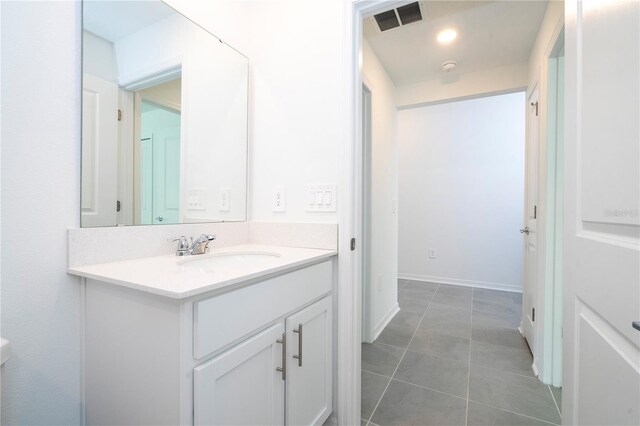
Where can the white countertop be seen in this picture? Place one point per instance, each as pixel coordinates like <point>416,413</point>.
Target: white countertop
<point>169,276</point>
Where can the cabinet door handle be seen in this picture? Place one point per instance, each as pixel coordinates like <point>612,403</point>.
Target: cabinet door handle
<point>283,369</point>
<point>299,356</point>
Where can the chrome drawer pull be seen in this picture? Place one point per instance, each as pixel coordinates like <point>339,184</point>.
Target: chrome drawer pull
<point>299,356</point>
<point>283,369</point>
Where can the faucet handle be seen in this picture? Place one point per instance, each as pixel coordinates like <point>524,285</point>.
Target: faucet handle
<point>184,243</point>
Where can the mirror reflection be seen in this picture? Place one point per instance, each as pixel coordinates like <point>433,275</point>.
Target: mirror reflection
<point>164,119</point>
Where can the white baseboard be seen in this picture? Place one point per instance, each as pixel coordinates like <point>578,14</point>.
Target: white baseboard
<point>466,283</point>
<point>534,367</point>
<point>385,321</point>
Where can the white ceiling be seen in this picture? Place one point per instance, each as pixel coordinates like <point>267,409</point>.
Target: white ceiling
<point>113,20</point>
<point>490,34</point>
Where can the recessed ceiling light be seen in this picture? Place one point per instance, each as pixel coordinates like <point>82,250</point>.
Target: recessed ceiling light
<point>447,36</point>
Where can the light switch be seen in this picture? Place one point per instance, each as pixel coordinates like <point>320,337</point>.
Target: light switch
<point>225,200</point>
<point>196,199</point>
<point>327,198</point>
<point>321,198</point>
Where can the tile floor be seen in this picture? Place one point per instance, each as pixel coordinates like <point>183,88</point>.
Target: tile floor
<point>453,356</point>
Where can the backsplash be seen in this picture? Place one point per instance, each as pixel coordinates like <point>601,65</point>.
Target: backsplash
<point>87,246</point>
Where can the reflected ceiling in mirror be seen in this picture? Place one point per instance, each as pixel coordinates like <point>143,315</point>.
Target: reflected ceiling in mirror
<point>164,119</point>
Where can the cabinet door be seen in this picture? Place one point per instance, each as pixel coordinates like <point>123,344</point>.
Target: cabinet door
<point>242,385</point>
<point>309,364</point>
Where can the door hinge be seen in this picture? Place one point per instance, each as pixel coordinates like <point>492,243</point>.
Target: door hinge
<point>353,244</point>
<point>118,205</point>
<point>533,314</point>
<point>119,115</point>
<point>535,212</point>
<point>535,104</point>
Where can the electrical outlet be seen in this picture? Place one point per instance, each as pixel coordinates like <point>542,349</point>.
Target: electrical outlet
<point>432,253</point>
<point>279,199</point>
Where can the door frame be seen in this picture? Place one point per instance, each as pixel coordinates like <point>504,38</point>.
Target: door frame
<point>351,215</point>
<point>368,326</point>
<point>350,262</point>
<point>547,327</point>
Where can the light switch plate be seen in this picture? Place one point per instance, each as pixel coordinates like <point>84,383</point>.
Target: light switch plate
<point>225,200</point>
<point>196,199</point>
<point>321,198</point>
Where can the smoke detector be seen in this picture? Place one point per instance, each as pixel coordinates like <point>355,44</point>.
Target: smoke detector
<point>449,66</point>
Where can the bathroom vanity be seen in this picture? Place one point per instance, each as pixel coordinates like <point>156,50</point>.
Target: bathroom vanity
<point>241,335</point>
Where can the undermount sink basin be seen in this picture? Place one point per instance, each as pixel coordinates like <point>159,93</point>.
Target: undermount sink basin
<point>235,259</point>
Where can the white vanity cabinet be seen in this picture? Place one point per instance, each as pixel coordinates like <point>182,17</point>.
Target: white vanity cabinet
<point>260,353</point>
<point>242,386</point>
<point>247,384</point>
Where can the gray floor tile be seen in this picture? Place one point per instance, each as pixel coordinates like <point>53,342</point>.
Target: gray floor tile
<point>482,415</point>
<point>498,336</point>
<point>501,307</point>
<point>406,319</point>
<point>441,374</point>
<point>492,319</point>
<point>401,283</point>
<point>363,422</point>
<point>373,386</point>
<point>422,286</point>
<point>517,298</point>
<point>395,335</point>
<point>440,344</point>
<point>381,359</point>
<point>454,295</point>
<point>405,404</point>
<point>557,395</point>
<point>458,290</point>
<point>523,395</point>
<point>447,319</point>
<point>416,296</point>
<point>502,357</point>
<point>407,305</point>
<point>489,295</point>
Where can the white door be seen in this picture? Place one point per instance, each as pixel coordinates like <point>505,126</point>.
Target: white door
<point>602,224</point>
<point>531,218</point>
<point>309,365</point>
<point>242,386</point>
<point>166,175</point>
<point>160,176</point>
<point>99,151</point>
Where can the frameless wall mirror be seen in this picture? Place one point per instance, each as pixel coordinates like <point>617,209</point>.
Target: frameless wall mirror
<point>164,118</point>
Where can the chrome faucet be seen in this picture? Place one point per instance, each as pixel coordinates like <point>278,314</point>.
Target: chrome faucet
<point>188,247</point>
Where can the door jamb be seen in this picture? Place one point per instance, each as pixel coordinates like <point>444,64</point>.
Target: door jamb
<point>350,217</point>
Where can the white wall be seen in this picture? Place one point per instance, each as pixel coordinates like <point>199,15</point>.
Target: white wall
<point>41,304</point>
<point>461,190</point>
<point>40,199</point>
<point>297,106</point>
<point>384,189</point>
<point>501,80</point>
<point>99,57</point>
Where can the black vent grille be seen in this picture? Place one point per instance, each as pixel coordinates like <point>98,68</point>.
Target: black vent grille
<point>409,13</point>
<point>387,20</point>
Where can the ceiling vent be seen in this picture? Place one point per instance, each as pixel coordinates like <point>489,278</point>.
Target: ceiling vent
<point>403,15</point>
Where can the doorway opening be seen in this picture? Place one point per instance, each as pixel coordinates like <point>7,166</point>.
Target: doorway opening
<point>441,176</point>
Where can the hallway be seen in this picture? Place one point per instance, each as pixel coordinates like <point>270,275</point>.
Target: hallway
<point>453,356</point>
